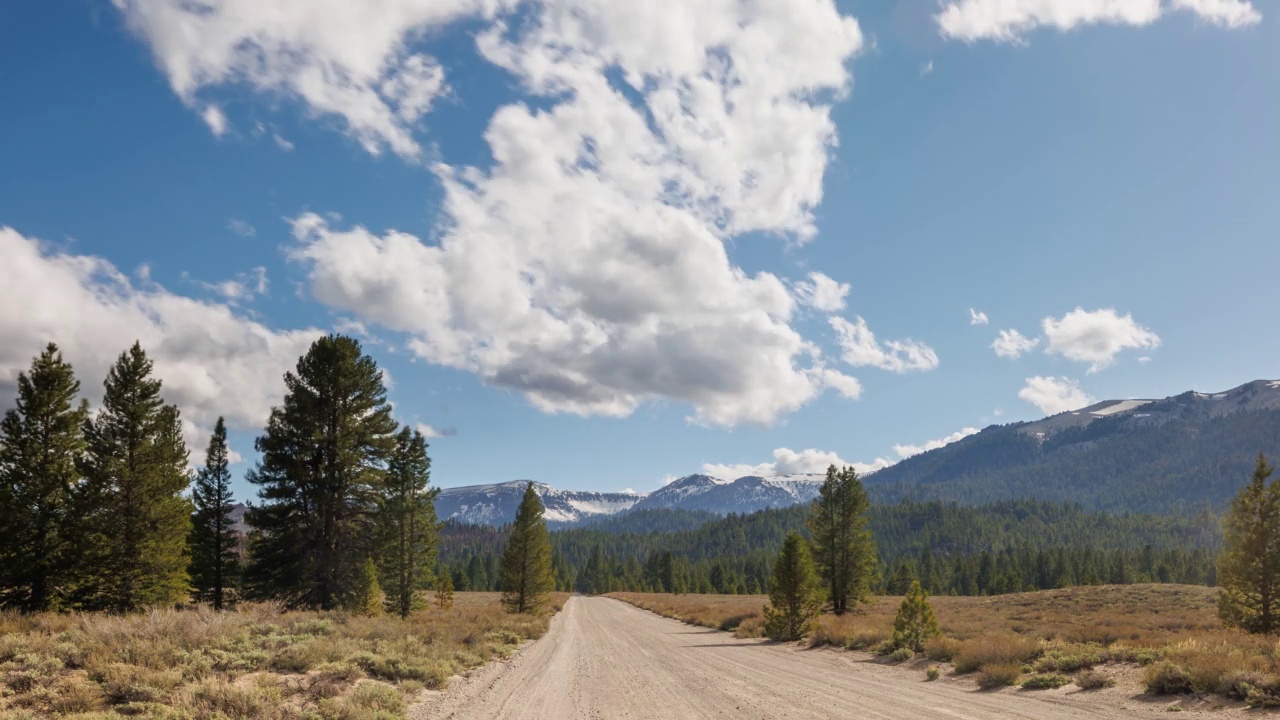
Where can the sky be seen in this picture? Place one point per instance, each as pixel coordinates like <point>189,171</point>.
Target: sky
<point>603,244</point>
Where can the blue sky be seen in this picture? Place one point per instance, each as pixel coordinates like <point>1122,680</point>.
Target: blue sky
<point>580,236</point>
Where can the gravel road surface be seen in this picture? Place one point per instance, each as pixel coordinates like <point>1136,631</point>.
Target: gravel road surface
<point>602,658</point>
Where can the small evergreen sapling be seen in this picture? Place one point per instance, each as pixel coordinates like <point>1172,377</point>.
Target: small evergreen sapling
<point>915,623</point>
<point>444,591</point>
<point>367,599</point>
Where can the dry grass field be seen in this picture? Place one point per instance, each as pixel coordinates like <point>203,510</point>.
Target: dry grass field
<point>1082,634</point>
<point>254,663</point>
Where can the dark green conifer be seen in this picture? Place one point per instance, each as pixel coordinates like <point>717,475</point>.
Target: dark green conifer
<point>407,527</point>
<point>915,623</point>
<point>795,595</point>
<point>215,553</point>
<point>842,547</point>
<point>324,457</point>
<point>526,563</point>
<point>41,440</point>
<point>1249,568</point>
<point>137,521</point>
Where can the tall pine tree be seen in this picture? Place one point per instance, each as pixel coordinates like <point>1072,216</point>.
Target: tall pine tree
<point>41,441</point>
<point>526,563</point>
<point>842,544</point>
<point>1249,568</point>
<point>138,522</point>
<point>407,527</point>
<point>215,557</point>
<point>795,592</point>
<point>324,457</point>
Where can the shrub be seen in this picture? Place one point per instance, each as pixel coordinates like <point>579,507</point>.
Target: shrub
<point>902,654</point>
<point>941,648</point>
<point>1166,678</point>
<point>1094,680</point>
<point>1048,681</point>
<point>75,696</point>
<point>1069,661</point>
<point>980,652</point>
<point>932,673</point>
<point>999,675</point>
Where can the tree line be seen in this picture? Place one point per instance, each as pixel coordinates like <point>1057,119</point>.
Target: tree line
<point>1011,546</point>
<point>98,515</point>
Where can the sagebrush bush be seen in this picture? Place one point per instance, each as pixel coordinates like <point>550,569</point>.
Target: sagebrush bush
<point>981,652</point>
<point>933,672</point>
<point>1094,680</point>
<point>999,675</point>
<point>1166,678</point>
<point>941,648</point>
<point>190,664</point>
<point>1046,681</point>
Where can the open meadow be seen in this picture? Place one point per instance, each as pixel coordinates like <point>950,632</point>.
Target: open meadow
<point>255,662</point>
<point>1166,638</point>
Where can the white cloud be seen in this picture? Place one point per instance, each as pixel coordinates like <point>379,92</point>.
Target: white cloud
<point>340,58</point>
<point>281,143</point>
<point>242,228</point>
<point>213,117</point>
<point>791,462</point>
<point>430,431</point>
<point>822,293</point>
<point>244,286</point>
<point>1224,13</point>
<point>1144,359</point>
<point>977,318</point>
<point>1096,337</point>
<point>926,69</point>
<point>860,348</point>
<point>906,451</point>
<point>1054,395</point>
<point>1013,344</point>
<point>1011,20</point>
<point>213,361</point>
<point>587,268</point>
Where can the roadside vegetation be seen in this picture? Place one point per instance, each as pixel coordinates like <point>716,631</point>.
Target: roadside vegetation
<point>258,662</point>
<point>127,591</point>
<point>1171,634</point>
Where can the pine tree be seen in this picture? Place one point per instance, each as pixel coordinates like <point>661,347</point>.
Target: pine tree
<point>795,594</point>
<point>526,563</point>
<point>324,455</point>
<point>407,527</point>
<point>41,440</point>
<point>1249,568</point>
<point>136,470</point>
<point>444,591</point>
<point>366,598</point>
<point>915,622</point>
<point>842,547</point>
<point>215,556</point>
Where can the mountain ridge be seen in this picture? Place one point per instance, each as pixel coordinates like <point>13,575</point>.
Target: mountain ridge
<point>1112,455</point>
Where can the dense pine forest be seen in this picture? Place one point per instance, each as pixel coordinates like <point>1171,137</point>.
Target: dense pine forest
<point>957,549</point>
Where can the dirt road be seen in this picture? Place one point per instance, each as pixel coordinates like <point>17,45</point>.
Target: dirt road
<point>602,658</point>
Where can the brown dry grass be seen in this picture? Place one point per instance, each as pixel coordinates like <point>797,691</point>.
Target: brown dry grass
<point>1172,629</point>
<point>254,663</point>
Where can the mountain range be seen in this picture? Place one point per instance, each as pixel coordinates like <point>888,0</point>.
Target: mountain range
<point>1167,455</point>
<point>496,504</point>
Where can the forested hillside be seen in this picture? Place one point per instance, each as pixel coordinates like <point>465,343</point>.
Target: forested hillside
<point>1173,455</point>
<point>1001,547</point>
